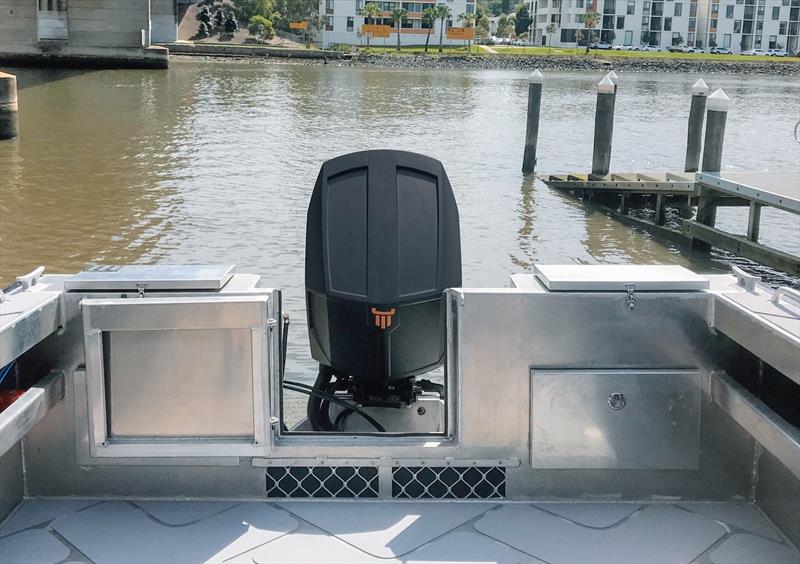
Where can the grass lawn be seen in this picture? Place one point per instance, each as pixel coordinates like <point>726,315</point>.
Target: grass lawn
<point>510,50</point>
<point>433,49</point>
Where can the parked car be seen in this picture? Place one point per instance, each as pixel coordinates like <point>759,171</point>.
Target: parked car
<point>601,45</point>
<point>777,53</point>
<point>754,52</point>
<point>692,49</point>
<point>624,48</point>
<point>654,48</point>
<point>720,51</point>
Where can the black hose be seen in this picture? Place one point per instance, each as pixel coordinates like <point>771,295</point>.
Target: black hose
<point>319,419</point>
<point>314,392</point>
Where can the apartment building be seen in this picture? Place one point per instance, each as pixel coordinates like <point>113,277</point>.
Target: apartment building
<point>735,24</point>
<point>343,22</point>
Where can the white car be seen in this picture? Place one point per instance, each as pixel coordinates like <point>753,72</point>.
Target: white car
<point>777,53</point>
<point>624,48</point>
<point>754,52</point>
<point>654,48</point>
<point>692,50</point>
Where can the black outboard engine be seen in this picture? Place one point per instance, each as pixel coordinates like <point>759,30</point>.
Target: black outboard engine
<point>382,244</point>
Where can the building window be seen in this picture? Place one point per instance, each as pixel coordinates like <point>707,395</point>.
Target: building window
<point>761,12</point>
<point>776,12</point>
<point>759,25</point>
<point>713,25</point>
<point>646,7</point>
<point>693,10</point>
<point>737,26</point>
<point>579,3</point>
<point>678,9</point>
<point>712,39</point>
<point>773,40</point>
<point>328,6</point>
<point>470,8</point>
<point>758,42</point>
<point>726,40</point>
<point>676,38</point>
<point>349,24</point>
<point>631,7</point>
<point>658,9</point>
<point>655,24</point>
<point>690,39</point>
<point>667,24</point>
<point>692,24</point>
<point>714,9</point>
<point>620,22</point>
<point>782,28</point>
<point>628,38</point>
<point>729,11</point>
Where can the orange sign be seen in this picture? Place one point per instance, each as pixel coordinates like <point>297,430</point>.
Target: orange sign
<point>298,25</point>
<point>376,30</point>
<point>383,319</point>
<point>465,33</point>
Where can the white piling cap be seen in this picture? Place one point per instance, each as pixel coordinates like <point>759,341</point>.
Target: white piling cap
<point>613,76</point>
<point>700,88</point>
<point>718,101</point>
<point>605,86</point>
<point>536,77</point>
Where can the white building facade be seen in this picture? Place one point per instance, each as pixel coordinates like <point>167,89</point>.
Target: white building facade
<point>343,22</point>
<point>738,25</point>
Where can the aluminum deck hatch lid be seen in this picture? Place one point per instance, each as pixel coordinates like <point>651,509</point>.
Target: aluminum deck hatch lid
<point>615,277</point>
<point>152,277</point>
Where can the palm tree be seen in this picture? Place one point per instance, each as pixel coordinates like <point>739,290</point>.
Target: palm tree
<point>397,17</point>
<point>468,20</point>
<point>589,22</point>
<point>550,29</point>
<point>443,12</point>
<point>578,37</point>
<point>429,17</point>
<point>370,12</point>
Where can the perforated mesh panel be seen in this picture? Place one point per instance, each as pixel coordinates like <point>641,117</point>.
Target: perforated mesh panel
<point>322,481</point>
<point>448,482</point>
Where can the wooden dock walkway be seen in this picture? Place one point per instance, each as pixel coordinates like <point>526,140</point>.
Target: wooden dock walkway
<point>708,191</point>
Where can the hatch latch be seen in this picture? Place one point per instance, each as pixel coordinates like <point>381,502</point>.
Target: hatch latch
<point>630,299</point>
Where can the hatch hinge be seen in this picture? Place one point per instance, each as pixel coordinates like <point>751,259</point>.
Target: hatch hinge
<point>630,299</point>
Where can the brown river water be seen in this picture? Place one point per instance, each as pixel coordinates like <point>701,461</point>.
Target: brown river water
<point>214,162</point>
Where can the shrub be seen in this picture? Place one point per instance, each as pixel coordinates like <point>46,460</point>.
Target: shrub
<point>203,30</point>
<point>231,25</point>
<point>219,18</point>
<point>259,25</point>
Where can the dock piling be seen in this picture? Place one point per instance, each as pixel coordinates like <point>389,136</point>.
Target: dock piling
<point>716,116</point>
<point>9,108</point>
<point>614,78</point>
<point>532,128</point>
<point>603,127</point>
<point>694,136</point>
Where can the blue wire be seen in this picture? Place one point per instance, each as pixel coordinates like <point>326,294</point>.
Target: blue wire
<point>4,371</point>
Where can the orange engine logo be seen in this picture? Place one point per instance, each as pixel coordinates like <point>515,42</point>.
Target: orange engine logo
<point>383,319</point>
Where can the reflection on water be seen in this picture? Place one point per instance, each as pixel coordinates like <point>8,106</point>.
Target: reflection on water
<point>212,162</point>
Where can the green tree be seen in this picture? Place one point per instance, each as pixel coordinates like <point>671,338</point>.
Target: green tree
<point>219,18</point>
<point>444,13</point>
<point>578,37</point>
<point>429,19</point>
<point>288,11</point>
<point>522,19</point>
<point>231,25</point>
<point>259,25</point>
<point>590,20</point>
<point>397,17</point>
<point>370,12</point>
<point>204,15</point>
<point>482,27</point>
<point>505,24</point>
<point>468,21</point>
<point>550,29</point>
<point>246,9</point>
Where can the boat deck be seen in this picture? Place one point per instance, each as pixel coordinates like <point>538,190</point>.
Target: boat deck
<point>78,530</point>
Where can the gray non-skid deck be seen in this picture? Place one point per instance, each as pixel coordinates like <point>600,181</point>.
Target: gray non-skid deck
<point>71,530</point>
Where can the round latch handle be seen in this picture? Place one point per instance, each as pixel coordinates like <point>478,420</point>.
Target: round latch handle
<point>616,401</point>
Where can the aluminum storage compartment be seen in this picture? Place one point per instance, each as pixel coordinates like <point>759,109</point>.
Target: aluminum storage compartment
<point>183,376</point>
<point>615,419</point>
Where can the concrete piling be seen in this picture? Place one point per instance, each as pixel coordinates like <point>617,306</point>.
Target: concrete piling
<point>532,129</point>
<point>694,137</point>
<point>9,109</point>
<point>614,78</point>
<point>603,127</point>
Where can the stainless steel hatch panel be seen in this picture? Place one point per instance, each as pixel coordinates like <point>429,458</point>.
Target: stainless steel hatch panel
<point>151,277</point>
<point>619,277</point>
<point>184,376</point>
<point>638,419</point>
